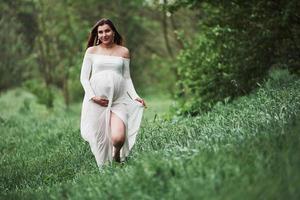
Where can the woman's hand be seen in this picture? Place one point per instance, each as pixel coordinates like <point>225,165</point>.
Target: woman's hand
<point>101,101</point>
<point>141,101</point>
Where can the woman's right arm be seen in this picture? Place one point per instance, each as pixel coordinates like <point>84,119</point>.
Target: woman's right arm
<point>85,76</point>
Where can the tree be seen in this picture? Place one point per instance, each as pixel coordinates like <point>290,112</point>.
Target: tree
<point>58,44</point>
<point>238,42</point>
<point>15,46</point>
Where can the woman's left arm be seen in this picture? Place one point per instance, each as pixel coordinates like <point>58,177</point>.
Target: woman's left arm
<point>129,84</point>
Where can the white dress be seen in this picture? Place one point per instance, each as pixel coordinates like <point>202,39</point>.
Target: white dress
<point>109,77</point>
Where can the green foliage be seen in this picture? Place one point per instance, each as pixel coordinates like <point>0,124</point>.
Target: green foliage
<point>44,94</point>
<point>238,42</point>
<point>14,64</point>
<point>244,150</point>
<point>75,87</point>
<point>200,71</point>
<point>158,78</point>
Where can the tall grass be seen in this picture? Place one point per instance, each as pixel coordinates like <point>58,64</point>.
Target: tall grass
<point>248,149</point>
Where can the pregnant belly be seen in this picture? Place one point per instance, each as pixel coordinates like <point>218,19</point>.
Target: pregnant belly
<point>108,84</point>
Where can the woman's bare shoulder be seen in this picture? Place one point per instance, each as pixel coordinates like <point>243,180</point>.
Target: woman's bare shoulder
<point>91,49</point>
<point>124,51</point>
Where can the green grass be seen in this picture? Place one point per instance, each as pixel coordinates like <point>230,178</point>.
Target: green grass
<point>248,149</point>
<point>157,107</point>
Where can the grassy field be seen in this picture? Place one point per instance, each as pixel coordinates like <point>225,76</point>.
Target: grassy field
<point>248,149</point>
<point>157,107</point>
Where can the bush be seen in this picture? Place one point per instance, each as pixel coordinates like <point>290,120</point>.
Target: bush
<point>237,43</point>
<point>208,73</point>
<point>45,95</point>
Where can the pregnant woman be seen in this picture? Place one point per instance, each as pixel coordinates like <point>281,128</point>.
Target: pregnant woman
<point>111,110</point>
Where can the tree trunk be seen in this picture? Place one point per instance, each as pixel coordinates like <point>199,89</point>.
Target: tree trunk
<point>165,29</point>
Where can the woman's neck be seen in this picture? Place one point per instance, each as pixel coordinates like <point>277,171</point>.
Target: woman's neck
<point>107,46</point>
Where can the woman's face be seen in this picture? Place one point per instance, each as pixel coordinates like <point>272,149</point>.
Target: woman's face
<point>105,34</point>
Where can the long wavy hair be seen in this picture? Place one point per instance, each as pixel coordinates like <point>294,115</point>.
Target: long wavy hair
<point>93,38</point>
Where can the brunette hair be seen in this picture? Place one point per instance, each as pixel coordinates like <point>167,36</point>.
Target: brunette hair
<point>93,38</point>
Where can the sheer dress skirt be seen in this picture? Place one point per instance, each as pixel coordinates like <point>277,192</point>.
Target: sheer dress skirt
<point>95,119</point>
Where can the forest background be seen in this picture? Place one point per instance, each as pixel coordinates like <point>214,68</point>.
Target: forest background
<point>196,52</point>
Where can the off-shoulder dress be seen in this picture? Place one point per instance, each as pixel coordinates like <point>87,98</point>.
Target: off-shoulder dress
<point>109,77</point>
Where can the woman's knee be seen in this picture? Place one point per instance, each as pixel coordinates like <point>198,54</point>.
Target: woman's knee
<point>117,130</point>
<point>118,139</point>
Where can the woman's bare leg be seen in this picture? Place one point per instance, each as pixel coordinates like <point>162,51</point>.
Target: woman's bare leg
<point>117,134</point>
